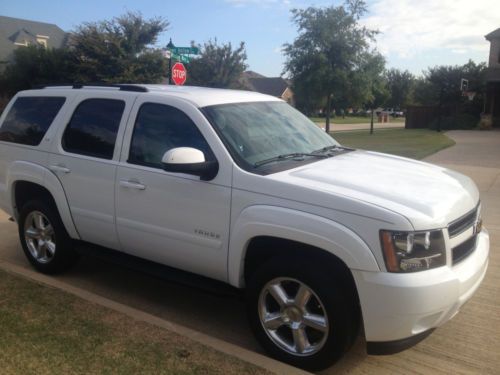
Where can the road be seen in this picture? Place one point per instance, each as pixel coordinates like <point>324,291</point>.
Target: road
<point>467,344</point>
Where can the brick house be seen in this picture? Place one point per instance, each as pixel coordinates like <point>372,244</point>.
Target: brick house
<point>274,86</point>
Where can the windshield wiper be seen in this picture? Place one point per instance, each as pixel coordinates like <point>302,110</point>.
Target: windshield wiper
<point>286,157</point>
<point>328,148</point>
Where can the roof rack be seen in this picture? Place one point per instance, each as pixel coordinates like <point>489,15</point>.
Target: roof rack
<point>121,87</point>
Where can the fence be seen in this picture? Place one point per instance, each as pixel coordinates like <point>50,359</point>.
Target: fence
<point>420,117</point>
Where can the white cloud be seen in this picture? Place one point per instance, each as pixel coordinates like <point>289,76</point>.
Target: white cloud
<point>410,27</point>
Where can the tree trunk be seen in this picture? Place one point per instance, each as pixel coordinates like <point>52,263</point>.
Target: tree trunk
<point>371,123</point>
<point>328,110</point>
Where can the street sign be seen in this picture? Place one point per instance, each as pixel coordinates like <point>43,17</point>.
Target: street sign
<point>185,50</point>
<point>179,74</point>
<point>181,58</point>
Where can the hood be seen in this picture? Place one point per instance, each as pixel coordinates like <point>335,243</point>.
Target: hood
<point>427,195</point>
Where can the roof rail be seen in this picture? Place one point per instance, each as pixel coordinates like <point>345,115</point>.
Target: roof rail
<point>121,87</point>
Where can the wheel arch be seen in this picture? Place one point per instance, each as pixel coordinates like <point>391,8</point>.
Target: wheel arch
<point>28,180</point>
<point>261,232</point>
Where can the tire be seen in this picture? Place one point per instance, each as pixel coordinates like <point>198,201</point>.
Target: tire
<point>44,239</point>
<point>331,309</point>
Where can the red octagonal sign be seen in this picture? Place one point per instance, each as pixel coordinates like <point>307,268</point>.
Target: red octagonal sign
<point>179,74</point>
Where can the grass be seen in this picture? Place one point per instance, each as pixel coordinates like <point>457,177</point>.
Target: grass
<point>352,120</point>
<point>47,331</point>
<point>412,143</point>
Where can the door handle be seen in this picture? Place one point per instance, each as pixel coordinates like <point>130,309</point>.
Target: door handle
<point>59,168</point>
<point>132,185</point>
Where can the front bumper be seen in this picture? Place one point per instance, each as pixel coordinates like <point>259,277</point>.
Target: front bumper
<point>397,307</point>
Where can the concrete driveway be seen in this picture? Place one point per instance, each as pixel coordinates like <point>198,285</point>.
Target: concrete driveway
<point>468,344</point>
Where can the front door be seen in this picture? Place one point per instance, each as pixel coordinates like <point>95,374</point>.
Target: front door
<point>171,218</point>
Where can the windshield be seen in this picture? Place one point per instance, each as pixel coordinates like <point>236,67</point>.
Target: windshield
<point>259,131</point>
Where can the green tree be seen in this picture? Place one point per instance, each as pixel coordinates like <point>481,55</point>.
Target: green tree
<point>119,50</point>
<point>36,65</point>
<point>374,76</point>
<point>400,85</point>
<point>331,49</point>
<point>440,86</point>
<point>218,66</point>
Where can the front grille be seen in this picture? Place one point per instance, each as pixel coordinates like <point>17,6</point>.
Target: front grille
<point>463,250</point>
<point>461,224</point>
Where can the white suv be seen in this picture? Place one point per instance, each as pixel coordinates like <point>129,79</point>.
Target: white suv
<point>240,187</point>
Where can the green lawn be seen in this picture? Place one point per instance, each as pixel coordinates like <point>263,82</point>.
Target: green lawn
<point>412,143</point>
<point>47,331</point>
<point>352,120</point>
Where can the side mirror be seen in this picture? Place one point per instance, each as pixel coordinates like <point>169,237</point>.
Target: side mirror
<point>189,160</point>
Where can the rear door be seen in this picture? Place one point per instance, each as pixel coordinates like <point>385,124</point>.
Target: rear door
<point>85,157</point>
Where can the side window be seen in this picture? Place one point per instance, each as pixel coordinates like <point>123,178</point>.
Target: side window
<point>29,119</point>
<point>93,127</point>
<point>159,128</point>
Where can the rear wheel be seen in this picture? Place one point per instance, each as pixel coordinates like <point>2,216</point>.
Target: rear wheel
<point>44,239</point>
<point>301,314</point>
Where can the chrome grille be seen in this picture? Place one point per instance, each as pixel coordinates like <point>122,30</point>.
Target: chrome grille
<point>463,223</point>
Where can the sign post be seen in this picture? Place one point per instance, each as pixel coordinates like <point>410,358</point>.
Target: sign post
<point>178,54</point>
<point>179,73</point>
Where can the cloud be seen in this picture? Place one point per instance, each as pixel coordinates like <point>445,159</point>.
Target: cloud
<point>408,27</point>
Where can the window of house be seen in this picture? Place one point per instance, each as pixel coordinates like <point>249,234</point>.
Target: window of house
<point>29,118</point>
<point>159,128</point>
<point>42,40</point>
<point>93,128</point>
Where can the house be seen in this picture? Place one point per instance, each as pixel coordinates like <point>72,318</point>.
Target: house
<point>18,33</point>
<point>274,86</point>
<point>493,78</point>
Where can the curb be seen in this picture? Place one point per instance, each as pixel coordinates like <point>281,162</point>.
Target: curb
<point>212,342</point>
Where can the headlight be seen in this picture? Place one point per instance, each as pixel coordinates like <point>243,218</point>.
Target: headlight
<point>413,251</point>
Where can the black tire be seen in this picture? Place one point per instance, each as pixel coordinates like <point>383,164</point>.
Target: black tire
<point>64,255</point>
<point>338,299</point>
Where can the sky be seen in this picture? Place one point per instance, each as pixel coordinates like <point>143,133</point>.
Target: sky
<point>414,34</point>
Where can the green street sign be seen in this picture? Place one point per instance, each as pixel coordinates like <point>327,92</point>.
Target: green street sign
<point>185,50</point>
<point>181,58</point>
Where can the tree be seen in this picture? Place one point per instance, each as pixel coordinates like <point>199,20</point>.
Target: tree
<point>400,85</point>
<point>440,86</point>
<point>119,50</point>
<point>331,49</point>
<point>218,66</point>
<point>374,76</point>
<point>35,65</point>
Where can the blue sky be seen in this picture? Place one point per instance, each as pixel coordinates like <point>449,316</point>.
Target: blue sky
<point>414,34</point>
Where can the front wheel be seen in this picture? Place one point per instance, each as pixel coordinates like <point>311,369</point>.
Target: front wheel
<point>301,314</point>
<point>44,239</point>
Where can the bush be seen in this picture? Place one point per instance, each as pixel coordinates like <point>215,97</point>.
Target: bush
<point>461,121</point>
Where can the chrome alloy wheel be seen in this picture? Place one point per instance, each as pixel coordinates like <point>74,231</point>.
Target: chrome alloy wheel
<point>40,237</point>
<point>293,316</point>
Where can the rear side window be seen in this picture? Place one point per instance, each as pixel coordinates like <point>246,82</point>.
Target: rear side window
<point>93,128</point>
<point>29,119</point>
<point>159,128</point>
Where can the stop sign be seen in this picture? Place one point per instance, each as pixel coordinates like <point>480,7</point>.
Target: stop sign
<point>179,74</point>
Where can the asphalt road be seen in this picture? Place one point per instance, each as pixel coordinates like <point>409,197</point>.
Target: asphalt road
<point>467,344</point>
